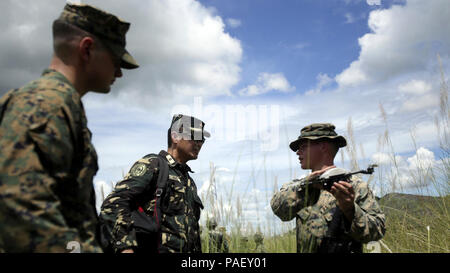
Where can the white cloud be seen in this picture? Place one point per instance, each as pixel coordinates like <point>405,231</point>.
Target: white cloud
<point>374,2</point>
<point>420,102</point>
<point>381,158</point>
<point>424,159</point>
<point>233,23</point>
<point>415,87</point>
<point>349,18</point>
<point>418,95</point>
<point>267,82</point>
<point>412,172</point>
<point>181,46</point>
<point>369,2</point>
<point>323,80</point>
<point>404,39</point>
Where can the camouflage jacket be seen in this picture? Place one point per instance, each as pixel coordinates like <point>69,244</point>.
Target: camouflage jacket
<point>180,206</point>
<point>217,242</point>
<point>313,210</point>
<point>47,164</point>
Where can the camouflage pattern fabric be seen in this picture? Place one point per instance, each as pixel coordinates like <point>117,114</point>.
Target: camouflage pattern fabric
<point>47,164</point>
<point>313,210</point>
<point>180,206</point>
<point>217,242</point>
<point>109,28</point>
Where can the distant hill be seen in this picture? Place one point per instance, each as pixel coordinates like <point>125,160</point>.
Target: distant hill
<point>416,205</point>
<point>416,223</point>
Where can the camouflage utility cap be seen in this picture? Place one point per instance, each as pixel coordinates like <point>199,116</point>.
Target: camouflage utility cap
<point>189,126</point>
<point>318,131</point>
<point>107,27</point>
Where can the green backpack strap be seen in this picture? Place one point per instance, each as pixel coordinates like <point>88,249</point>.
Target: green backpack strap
<point>143,224</point>
<point>161,184</point>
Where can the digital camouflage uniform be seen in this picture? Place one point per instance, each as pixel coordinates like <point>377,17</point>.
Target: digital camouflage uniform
<point>181,206</point>
<point>46,168</point>
<point>314,211</point>
<point>47,162</point>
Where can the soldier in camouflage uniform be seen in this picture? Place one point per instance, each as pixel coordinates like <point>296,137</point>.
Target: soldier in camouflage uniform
<point>180,206</point>
<point>217,240</point>
<point>47,162</point>
<point>259,242</point>
<point>339,220</point>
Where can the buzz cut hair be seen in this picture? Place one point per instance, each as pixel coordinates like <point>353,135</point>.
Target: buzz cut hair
<point>64,37</point>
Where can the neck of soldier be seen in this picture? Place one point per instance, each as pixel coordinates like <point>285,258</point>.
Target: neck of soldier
<point>325,163</point>
<point>70,72</point>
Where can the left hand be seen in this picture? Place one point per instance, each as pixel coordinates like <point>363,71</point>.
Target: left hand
<point>345,197</point>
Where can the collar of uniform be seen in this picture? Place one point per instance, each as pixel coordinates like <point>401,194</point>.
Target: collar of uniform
<point>173,163</point>
<point>51,73</point>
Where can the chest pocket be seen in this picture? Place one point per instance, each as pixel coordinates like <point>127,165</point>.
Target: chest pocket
<point>326,205</point>
<point>316,219</point>
<point>176,195</point>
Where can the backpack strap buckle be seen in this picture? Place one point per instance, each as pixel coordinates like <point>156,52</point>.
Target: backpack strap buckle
<point>159,192</point>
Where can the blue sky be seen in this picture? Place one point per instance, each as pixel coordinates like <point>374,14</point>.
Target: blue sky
<point>299,38</point>
<point>257,72</point>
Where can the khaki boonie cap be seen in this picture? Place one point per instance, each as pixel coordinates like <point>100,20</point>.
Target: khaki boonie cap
<point>107,27</point>
<point>318,131</point>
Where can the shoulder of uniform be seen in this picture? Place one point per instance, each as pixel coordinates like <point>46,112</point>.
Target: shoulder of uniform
<point>151,160</point>
<point>146,165</point>
<point>48,94</point>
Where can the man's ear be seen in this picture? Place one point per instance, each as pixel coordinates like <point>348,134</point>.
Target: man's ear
<point>85,47</point>
<point>175,137</point>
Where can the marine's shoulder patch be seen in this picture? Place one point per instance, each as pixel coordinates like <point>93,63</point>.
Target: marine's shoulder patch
<point>138,169</point>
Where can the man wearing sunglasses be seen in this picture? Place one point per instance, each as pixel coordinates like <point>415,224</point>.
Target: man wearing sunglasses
<point>177,228</point>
